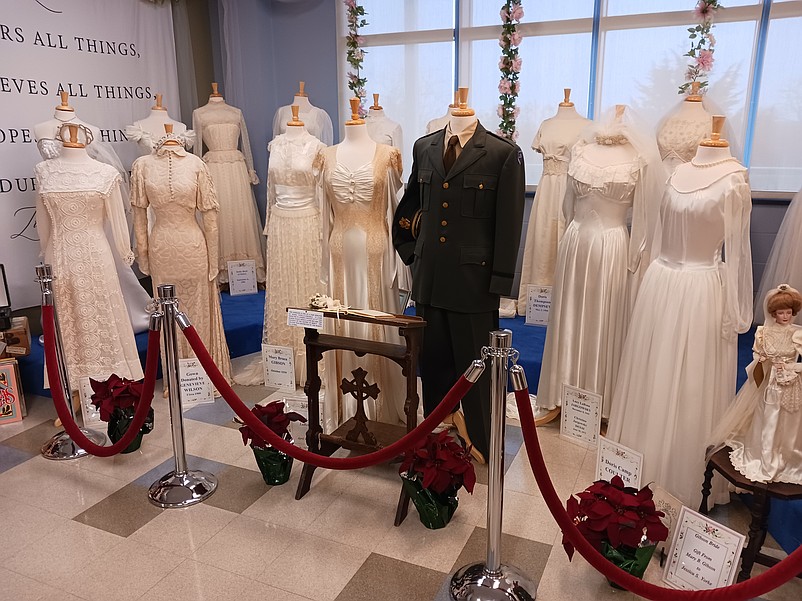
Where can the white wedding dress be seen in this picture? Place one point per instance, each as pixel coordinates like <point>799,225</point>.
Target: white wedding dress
<point>293,240</point>
<point>678,368</point>
<point>679,135</point>
<point>383,130</point>
<point>316,121</point>
<point>221,128</point>
<point>554,140</point>
<point>75,201</point>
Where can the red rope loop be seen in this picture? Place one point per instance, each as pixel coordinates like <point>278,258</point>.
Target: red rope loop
<point>335,463</point>
<point>142,408</point>
<point>748,589</point>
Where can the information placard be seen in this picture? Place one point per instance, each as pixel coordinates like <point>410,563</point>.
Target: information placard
<point>301,318</point>
<point>538,305</point>
<point>580,419</point>
<point>613,459</point>
<point>90,414</point>
<point>279,366</point>
<point>671,507</point>
<point>703,554</point>
<point>242,277</point>
<point>196,387</point>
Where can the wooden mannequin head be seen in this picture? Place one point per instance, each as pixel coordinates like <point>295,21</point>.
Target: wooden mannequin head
<point>567,98</point>
<point>715,140</point>
<point>355,118</point>
<point>295,121</point>
<point>158,106</point>
<point>463,110</point>
<point>65,103</point>
<point>215,93</point>
<point>376,106</point>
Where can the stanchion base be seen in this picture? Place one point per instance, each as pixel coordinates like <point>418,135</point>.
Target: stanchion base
<point>61,446</point>
<point>475,583</point>
<point>182,490</point>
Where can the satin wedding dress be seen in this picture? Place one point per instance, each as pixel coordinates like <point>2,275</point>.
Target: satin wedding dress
<point>678,368</point>
<point>221,128</point>
<point>75,201</point>
<point>176,185</point>
<point>363,272</point>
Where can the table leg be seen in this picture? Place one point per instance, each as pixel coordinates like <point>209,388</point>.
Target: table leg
<point>757,532</point>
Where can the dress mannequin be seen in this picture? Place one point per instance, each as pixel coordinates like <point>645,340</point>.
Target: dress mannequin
<point>678,366</point>
<point>316,120</point>
<point>679,134</point>
<point>77,194</point>
<point>614,167</point>
<point>147,132</point>
<point>221,128</point>
<point>381,128</point>
<point>358,182</point>
<point>440,122</point>
<point>554,140</point>
<point>460,266</point>
<point>135,296</point>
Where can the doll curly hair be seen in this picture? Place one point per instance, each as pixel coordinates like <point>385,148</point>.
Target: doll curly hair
<point>785,298</point>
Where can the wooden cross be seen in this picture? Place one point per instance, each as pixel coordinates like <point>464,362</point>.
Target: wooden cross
<point>361,391</point>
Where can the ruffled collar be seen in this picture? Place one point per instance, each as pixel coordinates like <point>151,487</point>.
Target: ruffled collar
<point>162,149</point>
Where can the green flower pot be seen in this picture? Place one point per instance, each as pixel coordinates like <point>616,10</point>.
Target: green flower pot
<point>629,559</point>
<point>119,423</point>
<point>274,465</point>
<point>434,509</point>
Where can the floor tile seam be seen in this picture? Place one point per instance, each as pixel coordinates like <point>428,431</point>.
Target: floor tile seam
<point>42,582</point>
<point>146,594</point>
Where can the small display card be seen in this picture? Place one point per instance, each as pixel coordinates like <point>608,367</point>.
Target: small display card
<point>279,366</point>
<point>703,554</point>
<point>242,277</point>
<point>90,413</point>
<point>670,506</point>
<point>196,387</point>
<point>305,319</point>
<point>538,305</point>
<point>613,459</point>
<point>580,419</point>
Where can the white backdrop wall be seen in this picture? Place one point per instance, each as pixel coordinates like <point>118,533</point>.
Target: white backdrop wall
<point>112,56</point>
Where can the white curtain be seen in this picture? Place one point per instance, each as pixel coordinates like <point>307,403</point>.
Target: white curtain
<point>233,72</point>
<point>185,62</point>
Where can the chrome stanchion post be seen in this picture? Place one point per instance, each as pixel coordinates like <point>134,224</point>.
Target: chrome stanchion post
<point>492,580</point>
<point>181,487</point>
<point>61,446</point>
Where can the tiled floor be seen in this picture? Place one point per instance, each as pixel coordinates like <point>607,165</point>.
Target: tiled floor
<point>84,530</point>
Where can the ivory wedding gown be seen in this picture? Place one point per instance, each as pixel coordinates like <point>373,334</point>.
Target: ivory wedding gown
<point>364,272</point>
<point>221,127</point>
<point>176,185</point>
<point>75,200</point>
<point>678,368</point>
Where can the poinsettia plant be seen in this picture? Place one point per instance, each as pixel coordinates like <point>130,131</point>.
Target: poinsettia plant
<point>115,393</point>
<point>616,514</point>
<point>274,417</point>
<point>441,463</point>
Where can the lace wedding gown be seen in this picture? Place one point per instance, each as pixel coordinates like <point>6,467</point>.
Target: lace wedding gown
<point>75,200</point>
<point>175,185</point>
<point>554,140</point>
<point>316,121</point>
<point>293,240</point>
<point>363,272</point>
<point>678,368</point>
<point>590,299</point>
<point>679,136</point>
<point>220,126</point>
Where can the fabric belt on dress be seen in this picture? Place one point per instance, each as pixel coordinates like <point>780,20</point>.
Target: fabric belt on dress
<point>553,165</point>
<point>223,156</point>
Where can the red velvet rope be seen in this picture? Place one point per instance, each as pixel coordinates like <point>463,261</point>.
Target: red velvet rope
<point>748,589</point>
<point>142,408</point>
<point>335,463</point>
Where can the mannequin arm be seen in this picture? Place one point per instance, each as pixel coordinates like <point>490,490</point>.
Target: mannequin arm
<point>119,226</point>
<point>246,150</point>
<point>509,219</point>
<point>206,203</point>
<point>738,261</point>
<point>327,135</point>
<point>139,202</point>
<point>42,224</point>
<point>197,127</point>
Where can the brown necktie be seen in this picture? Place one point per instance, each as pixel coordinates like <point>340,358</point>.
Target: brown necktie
<point>451,153</point>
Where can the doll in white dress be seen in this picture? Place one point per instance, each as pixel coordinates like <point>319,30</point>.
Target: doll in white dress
<point>764,425</point>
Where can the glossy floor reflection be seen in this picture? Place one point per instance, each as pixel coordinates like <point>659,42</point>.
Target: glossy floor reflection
<point>84,530</point>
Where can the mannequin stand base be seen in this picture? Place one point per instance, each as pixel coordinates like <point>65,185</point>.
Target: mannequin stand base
<point>476,583</point>
<point>61,446</point>
<point>545,416</point>
<point>182,490</point>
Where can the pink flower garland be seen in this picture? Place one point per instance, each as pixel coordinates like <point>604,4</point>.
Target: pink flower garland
<point>510,65</point>
<point>703,44</point>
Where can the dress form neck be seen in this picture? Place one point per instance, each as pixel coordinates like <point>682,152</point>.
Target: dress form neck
<point>458,124</point>
<point>357,149</point>
<point>303,103</point>
<point>567,112</point>
<point>216,100</point>
<point>692,110</point>
<point>295,132</point>
<point>74,155</point>
<point>708,166</point>
<point>375,113</point>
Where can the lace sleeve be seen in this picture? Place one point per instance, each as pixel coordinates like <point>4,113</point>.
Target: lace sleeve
<point>139,203</point>
<point>326,215</point>
<point>206,203</point>
<point>738,259</point>
<point>115,213</point>
<point>197,127</point>
<point>246,150</point>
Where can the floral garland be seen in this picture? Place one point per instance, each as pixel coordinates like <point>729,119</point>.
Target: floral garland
<point>354,53</point>
<point>510,64</point>
<point>703,45</point>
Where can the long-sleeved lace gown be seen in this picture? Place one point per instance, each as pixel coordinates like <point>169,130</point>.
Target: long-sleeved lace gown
<point>75,201</point>
<point>176,184</point>
<point>220,127</point>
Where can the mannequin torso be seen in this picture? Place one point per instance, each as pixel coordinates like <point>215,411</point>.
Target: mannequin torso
<point>303,103</point>
<point>295,131</point>
<point>606,156</point>
<point>154,123</point>
<point>357,149</point>
<point>708,166</point>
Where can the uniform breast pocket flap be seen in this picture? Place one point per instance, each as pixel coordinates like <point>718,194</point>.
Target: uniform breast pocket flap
<point>479,195</point>
<point>425,185</point>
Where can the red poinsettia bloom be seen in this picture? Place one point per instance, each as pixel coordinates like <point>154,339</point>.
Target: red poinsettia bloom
<point>273,416</point>
<point>613,513</point>
<point>443,464</point>
<point>116,392</point>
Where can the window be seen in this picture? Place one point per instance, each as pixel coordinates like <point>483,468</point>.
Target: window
<point>417,50</point>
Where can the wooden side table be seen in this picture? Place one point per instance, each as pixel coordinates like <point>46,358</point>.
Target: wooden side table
<point>761,505</point>
<point>375,435</point>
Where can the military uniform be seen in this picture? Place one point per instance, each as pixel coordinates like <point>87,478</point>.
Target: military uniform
<point>463,258</point>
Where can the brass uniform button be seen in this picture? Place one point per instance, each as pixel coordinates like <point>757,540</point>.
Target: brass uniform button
<point>442,238</point>
<point>445,205</point>
<point>445,185</point>
<point>481,186</point>
<point>444,222</point>
<point>484,263</point>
